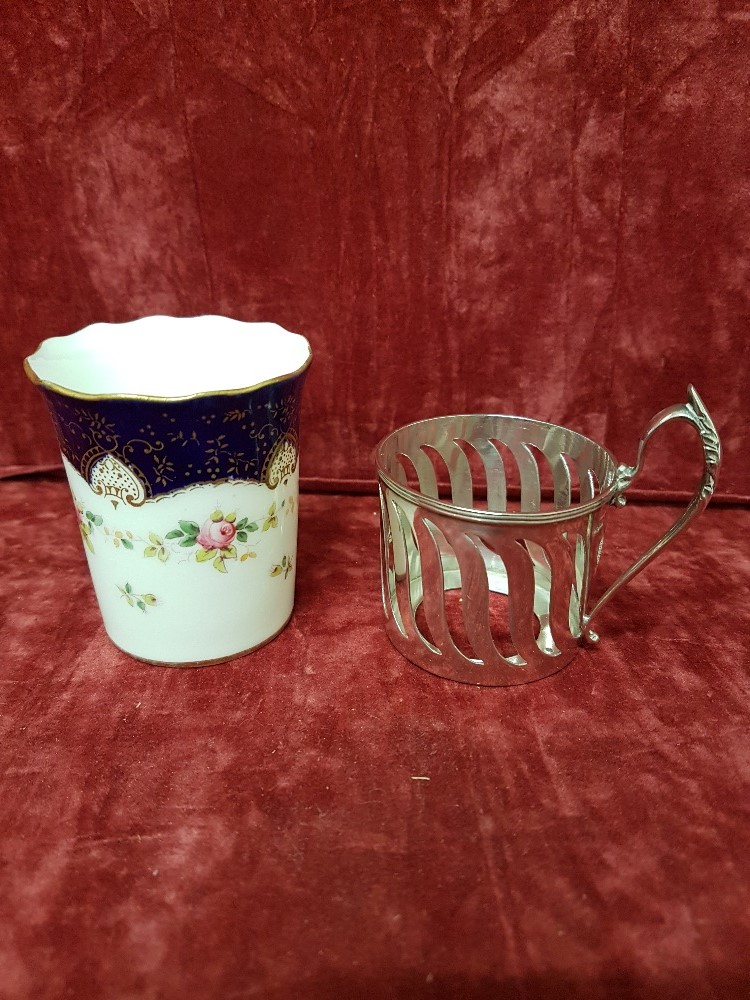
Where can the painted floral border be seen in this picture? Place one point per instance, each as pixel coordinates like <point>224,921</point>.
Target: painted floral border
<point>220,540</point>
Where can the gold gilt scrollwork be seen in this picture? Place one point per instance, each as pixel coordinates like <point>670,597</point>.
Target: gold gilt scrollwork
<point>109,477</point>
<point>281,462</point>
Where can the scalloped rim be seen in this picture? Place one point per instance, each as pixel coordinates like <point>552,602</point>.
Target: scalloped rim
<point>144,397</point>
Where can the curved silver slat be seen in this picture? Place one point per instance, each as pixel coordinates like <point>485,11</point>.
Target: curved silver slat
<point>433,597</point>
<point>563,577</point>
<point>585,481</point>
<point>511,471</point>
<point>452,663</point>
<point>389,534</point>
<point>494,471</point>
<point>399,469</point>
<point>428,483</point>
<point>521,591</point>
<point>560,479</point>
<point>459,470</point>
<point>475,600</point>
<point>531,492</point>
<point>408,587</point>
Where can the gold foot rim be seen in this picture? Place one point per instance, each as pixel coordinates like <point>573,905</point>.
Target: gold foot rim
<point>194,664</point>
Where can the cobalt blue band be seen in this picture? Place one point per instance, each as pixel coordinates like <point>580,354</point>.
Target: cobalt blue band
<point>170,445</point>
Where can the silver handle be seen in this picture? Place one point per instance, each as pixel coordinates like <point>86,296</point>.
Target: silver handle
<point>695,412</point>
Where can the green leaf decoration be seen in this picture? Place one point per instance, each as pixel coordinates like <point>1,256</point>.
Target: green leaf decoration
<point>89,515</point>
<point>174,533</point>
<point>248,555</point>
<point>203,555</point>
<point>217,516</point>
<point>271,521</point>
<point>126,543</point>
<point>276,571</point>
<point>252,526</point>
<point>189,527</point>
<point>188,543</point>
<point>241,536</point>
<point>230,552</point>
<point>219,564</point>
<point>154,539</point>
<point>241,524</point>
<point>150,551</point>
<point>283,561</point>
<point>140,601</point>
<point>231,518</point>
<point>98,520</point>
<point>163,554</point>
<point>87,540</point>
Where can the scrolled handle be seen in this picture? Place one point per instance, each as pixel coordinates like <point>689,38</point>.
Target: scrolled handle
<point>695,412</point>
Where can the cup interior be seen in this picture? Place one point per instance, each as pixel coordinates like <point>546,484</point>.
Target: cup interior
<point>167,357</point>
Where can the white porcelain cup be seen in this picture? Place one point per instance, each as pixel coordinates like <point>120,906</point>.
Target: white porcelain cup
<point>179,438</point>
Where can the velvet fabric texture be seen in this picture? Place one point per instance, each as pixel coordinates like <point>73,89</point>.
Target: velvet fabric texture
<point>537,209</point>
<point>321,819</point>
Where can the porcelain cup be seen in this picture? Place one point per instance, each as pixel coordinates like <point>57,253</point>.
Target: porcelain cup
<point>179,438</point>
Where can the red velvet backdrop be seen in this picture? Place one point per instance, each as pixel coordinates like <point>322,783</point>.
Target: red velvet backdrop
<point>540,208</point>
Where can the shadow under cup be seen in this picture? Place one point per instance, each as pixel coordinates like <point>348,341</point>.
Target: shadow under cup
<point>179,438</point>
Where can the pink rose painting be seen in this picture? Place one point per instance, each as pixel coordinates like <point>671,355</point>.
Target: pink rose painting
<point>216,540</point>
<point>217,534</point>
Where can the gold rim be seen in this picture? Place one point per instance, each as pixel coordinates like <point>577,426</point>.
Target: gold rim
<point>72,394</point>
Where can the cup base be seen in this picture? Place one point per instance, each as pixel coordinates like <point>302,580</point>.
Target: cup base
<point>190,664</point>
